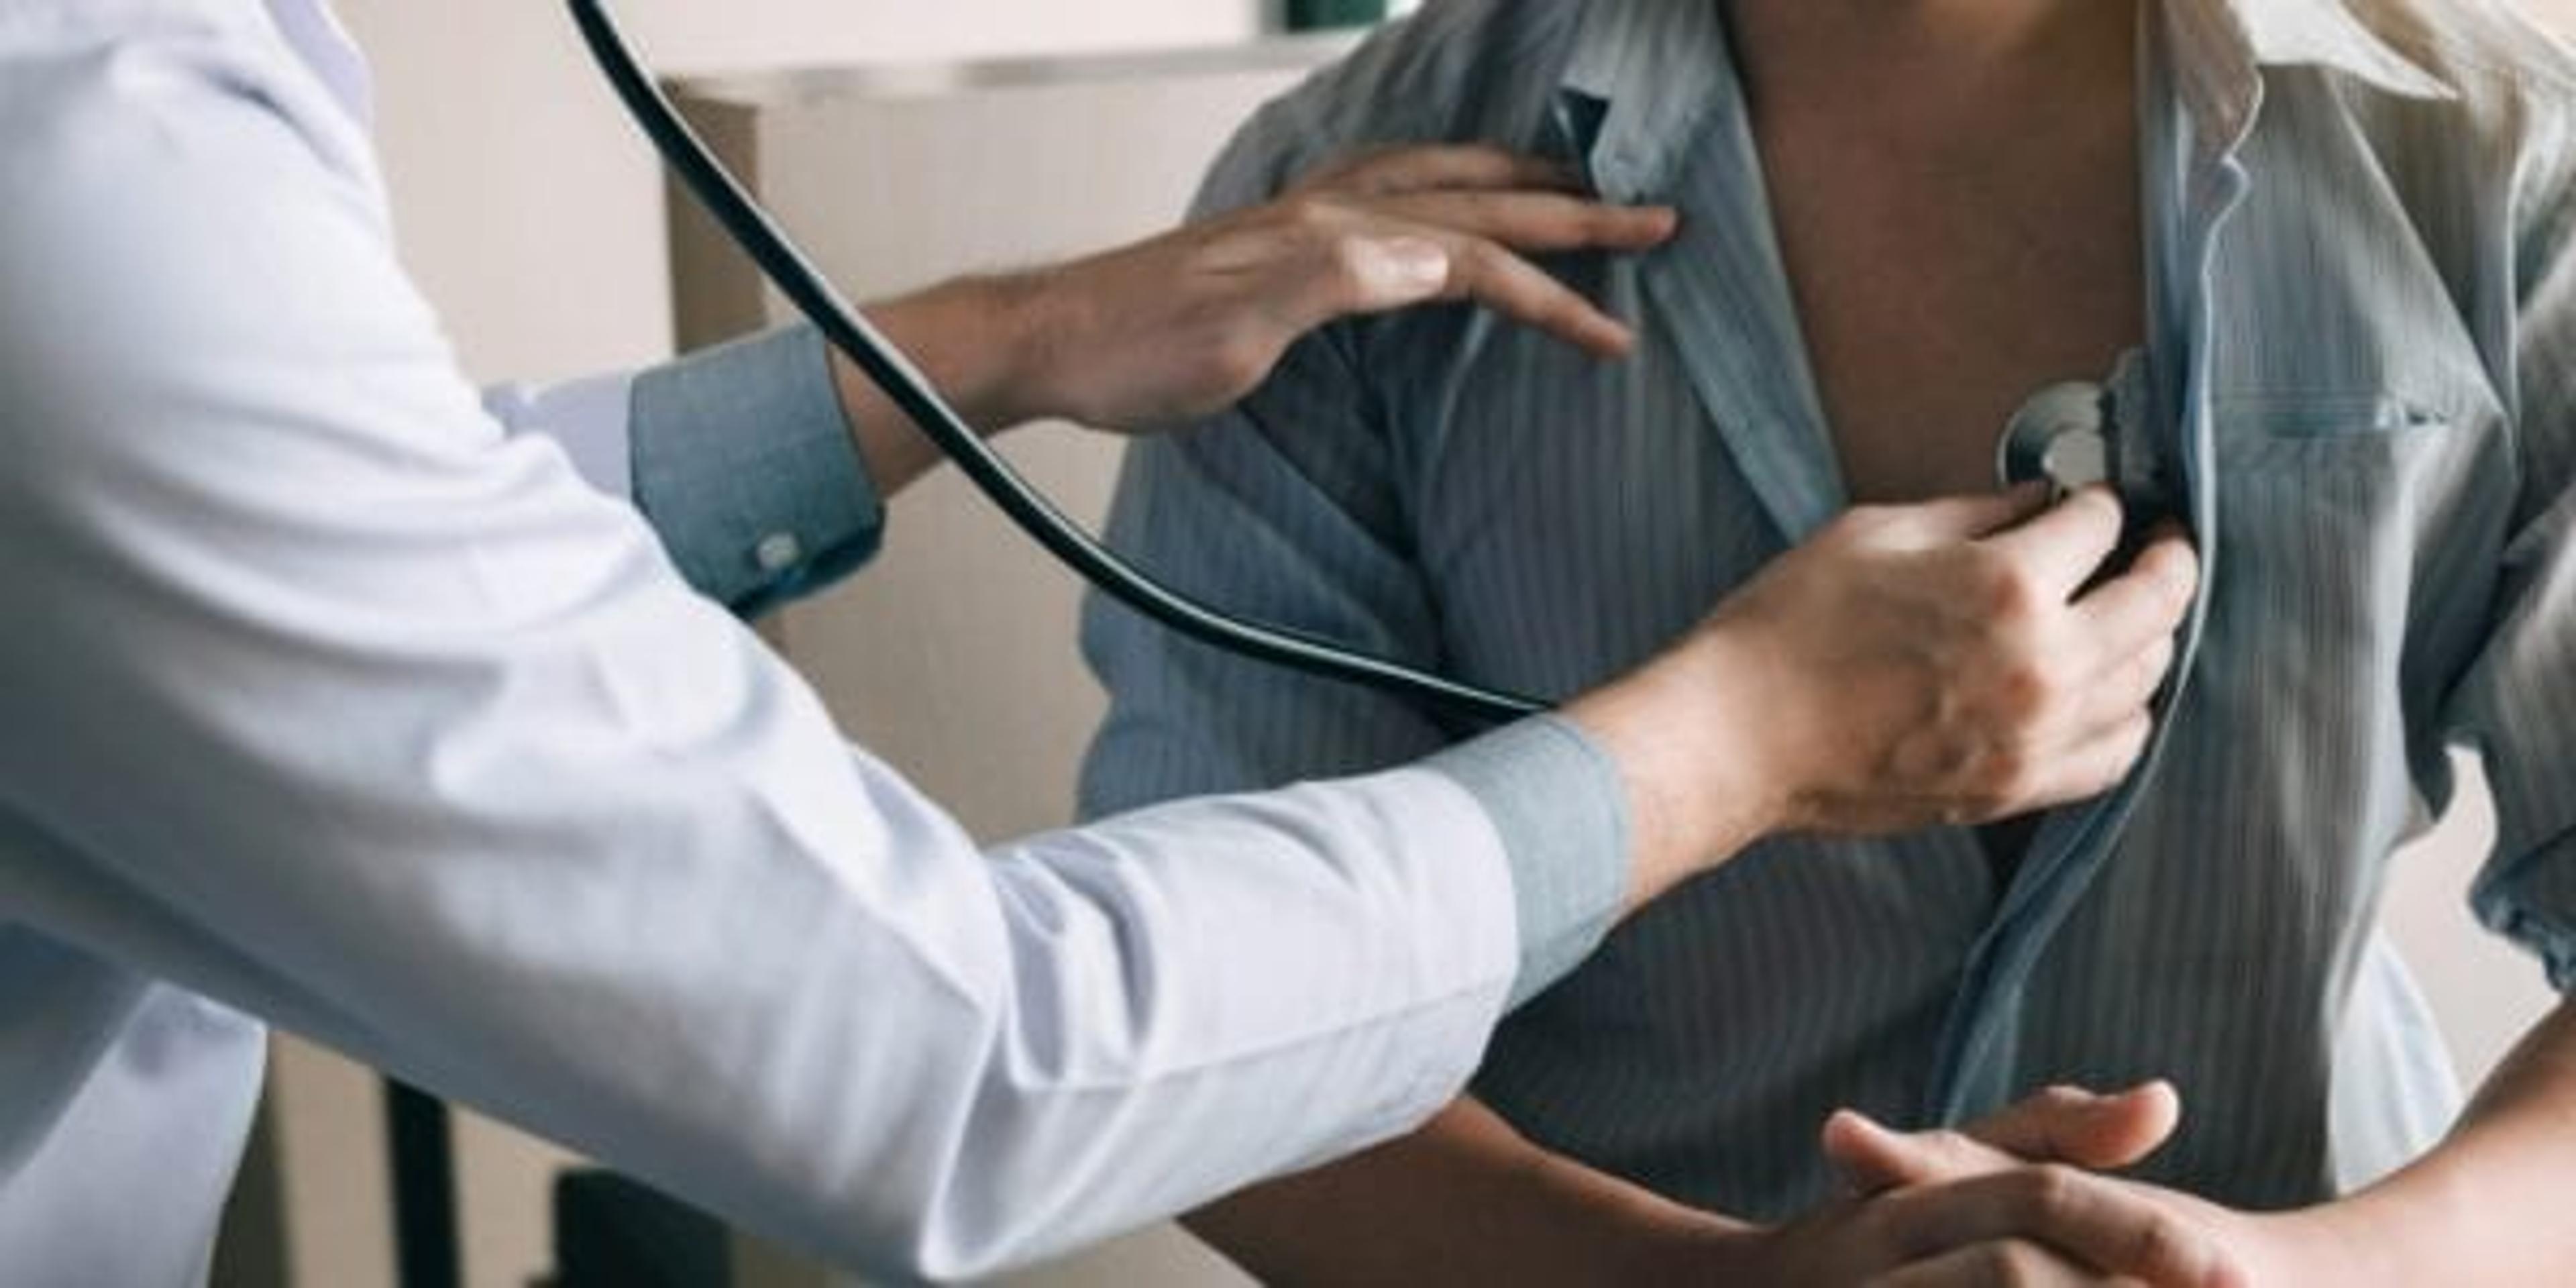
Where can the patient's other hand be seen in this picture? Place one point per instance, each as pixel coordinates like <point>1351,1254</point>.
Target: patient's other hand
<point>2062,1124</point>
<point>2015,1199</point>
<point>2003,1201</point>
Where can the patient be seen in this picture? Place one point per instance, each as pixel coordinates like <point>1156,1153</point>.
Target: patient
<point>2335,244</point>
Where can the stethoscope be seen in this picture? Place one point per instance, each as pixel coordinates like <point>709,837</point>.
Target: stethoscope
<point>793,273</point>
<point>2047,440</point>
<point>2061,436</point>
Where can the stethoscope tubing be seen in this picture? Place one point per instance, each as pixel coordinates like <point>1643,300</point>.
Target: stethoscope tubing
<point>794,274</point>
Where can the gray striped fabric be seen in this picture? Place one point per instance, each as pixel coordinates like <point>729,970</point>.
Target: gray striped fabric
<point>2364,255</point>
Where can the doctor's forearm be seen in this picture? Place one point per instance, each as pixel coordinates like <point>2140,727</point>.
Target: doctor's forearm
<point>1682,731</point>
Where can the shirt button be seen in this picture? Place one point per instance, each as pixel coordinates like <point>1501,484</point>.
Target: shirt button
<point>778,552</point>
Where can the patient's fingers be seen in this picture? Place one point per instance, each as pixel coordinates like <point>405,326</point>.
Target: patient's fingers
<point>1874,1158</point>
<point>2010,1263</point>
<point>2073,1125</point>
<point>2056,1125</point>
<point>2116,1228</point>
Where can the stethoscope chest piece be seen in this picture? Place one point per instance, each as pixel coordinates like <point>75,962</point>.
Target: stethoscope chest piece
<point>2061,436</point>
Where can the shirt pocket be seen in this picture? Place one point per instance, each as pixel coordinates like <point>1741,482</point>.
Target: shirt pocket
<point>2327,514</point>
<point>2258,433</point>
<point>2319,506</point>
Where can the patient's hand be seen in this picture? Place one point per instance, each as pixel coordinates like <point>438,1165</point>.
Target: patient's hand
<point>2002,1202</point>
<point>2014,1205</point>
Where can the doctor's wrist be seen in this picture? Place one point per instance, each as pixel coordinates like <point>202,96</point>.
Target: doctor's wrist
<point>974,338</point>
<point>1683,730</point>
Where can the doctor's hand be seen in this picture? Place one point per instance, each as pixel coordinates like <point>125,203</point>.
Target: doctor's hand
<point>1951,662</point>
<point>1155,334</point>
<point>1188,323</point>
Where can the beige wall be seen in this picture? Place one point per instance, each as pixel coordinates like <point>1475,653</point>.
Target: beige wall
<point>532,215</point>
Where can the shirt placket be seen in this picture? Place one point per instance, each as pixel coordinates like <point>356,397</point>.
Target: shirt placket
<point>2195,181</point>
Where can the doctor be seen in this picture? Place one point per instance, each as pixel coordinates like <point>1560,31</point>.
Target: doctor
<point>339,697</point>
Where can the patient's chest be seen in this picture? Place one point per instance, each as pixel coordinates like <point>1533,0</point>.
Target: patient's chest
<point>1944,271</point>
<point>1568,517</point>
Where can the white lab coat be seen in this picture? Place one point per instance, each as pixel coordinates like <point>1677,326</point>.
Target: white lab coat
<point>326,699</point>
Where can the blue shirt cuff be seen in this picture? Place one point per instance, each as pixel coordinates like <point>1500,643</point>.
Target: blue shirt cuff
<point>744,463</point>
<point>1562,809</point>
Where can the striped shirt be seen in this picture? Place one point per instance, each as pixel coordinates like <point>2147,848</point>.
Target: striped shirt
<point>2361,388</point>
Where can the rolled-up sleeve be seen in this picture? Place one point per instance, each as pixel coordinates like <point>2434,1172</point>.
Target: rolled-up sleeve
<point>2520,712</point>
<point>1560,805</point>
<point>2518,702</point>
<point>739,455</point>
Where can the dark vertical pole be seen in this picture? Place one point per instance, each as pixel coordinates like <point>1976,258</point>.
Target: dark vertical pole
<point>251,1249</point>
<point>424,1180</point>
<point>1311,15</point>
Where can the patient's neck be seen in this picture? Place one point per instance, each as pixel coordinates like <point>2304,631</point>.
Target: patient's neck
<point>1986,26</point>
<point>1872,46</point>
<point>1955,194</point>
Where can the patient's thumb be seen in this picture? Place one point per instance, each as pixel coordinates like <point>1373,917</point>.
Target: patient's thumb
<point>2059,1125</point>
<point>2071,1125</point>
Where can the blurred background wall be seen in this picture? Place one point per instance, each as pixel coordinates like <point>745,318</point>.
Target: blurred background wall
<point>534,221</point>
